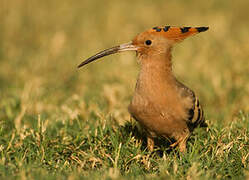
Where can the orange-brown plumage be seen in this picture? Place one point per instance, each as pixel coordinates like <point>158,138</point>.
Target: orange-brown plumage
<point>161,104</point>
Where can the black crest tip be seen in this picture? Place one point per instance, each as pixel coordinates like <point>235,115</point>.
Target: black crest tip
<point>202,29</point>
<point>158,29</point>
<point>185,29</point>
<point>166,28</point>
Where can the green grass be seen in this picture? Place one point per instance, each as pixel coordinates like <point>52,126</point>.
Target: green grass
<point>57,122</point>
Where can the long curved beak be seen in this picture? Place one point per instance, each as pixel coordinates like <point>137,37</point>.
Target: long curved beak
<point>123,47</point>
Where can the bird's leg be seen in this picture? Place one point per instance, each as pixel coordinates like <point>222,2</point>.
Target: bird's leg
<point>174,144</point>
<point>182,144</point>
<point>150,143</point>
<point>181,141</point>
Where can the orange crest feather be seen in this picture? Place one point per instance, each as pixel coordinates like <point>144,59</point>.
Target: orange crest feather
<point>177,33</point>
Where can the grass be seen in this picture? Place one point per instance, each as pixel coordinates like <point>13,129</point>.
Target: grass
<point>60,123</point>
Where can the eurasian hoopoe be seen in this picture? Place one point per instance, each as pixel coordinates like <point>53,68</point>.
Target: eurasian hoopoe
<point>161,104</point>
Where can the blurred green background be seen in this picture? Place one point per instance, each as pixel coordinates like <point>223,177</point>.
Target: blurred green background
<point>42,42</point>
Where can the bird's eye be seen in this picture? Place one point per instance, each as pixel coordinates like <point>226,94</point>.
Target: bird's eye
<point>148,42</point>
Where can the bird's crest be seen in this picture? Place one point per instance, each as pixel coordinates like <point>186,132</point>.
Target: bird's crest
<point>177,33</point>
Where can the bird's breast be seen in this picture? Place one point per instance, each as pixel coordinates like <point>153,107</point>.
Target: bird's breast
<point>158,109</point>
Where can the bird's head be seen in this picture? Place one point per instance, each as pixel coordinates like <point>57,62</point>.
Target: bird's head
<point>151,42</point>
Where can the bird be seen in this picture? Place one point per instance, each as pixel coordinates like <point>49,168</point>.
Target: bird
<point>162,105</point>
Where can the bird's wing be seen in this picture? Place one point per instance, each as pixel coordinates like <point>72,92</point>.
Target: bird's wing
<point>196,114</point>
<point>195,111</point>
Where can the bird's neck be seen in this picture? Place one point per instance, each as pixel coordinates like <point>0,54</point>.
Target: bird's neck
<point>156,76</point>
<point>156,68</point>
